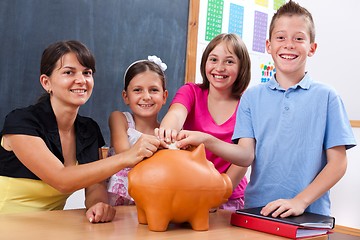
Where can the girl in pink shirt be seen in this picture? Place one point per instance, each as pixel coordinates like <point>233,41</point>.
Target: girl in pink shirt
<point>210,108</point>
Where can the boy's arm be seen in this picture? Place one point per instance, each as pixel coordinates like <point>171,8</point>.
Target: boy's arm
<point>241,154</point>
<point>333,171</point>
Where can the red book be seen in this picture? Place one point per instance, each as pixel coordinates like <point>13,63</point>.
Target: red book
<point>305,225</point>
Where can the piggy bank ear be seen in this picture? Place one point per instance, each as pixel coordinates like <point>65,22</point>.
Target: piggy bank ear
<point>199,153</point>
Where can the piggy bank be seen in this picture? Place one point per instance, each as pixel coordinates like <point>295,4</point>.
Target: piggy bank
<point>177,186</point>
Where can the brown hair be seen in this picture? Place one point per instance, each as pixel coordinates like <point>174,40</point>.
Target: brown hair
<point>233,41</point>
<point>140,67</point>
<point>290,9</point>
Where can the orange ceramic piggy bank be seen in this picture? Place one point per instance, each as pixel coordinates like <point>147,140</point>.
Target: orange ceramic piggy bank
<point>177,186</point>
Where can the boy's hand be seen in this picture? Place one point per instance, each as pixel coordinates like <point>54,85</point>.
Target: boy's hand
<point>284,208</point>
<point>187,139</point>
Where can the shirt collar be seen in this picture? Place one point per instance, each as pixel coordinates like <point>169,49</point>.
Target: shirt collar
<point>305,83</point>
<point>85,133</point>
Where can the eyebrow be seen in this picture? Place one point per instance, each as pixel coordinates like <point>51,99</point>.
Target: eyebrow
<point>227,56</point>
<point>69,67</point>
<point>73,68</point>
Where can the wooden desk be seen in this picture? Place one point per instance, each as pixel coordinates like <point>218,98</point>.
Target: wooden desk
<point>72,224</point>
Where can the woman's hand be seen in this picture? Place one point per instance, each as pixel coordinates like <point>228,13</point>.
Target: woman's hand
<point>144,147</point>
<point>100,212</point>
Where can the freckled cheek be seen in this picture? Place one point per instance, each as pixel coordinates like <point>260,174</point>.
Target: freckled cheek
<point>208,73</point>
<point>208,67</point>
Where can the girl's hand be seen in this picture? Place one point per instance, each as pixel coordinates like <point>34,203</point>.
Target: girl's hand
<point>100,212</point>
<point>166,136</point>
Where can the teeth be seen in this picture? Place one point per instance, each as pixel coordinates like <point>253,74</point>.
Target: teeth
<point>78,91</point>
<point>288,56</point>
<point>219,77</point>
<point>145,105</point>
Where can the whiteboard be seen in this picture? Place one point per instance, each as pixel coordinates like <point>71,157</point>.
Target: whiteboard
<point>337,35</point>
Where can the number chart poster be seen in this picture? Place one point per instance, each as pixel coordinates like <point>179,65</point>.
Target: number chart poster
<point>250,19</point>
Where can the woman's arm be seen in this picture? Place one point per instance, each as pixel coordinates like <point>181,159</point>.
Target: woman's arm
<point>96,200</point>
<point>35,155</point>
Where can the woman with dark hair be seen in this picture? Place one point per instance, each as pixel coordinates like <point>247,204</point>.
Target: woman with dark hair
<point>48,150</point>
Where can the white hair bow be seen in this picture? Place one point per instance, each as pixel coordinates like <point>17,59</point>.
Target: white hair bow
<point>158,61</point>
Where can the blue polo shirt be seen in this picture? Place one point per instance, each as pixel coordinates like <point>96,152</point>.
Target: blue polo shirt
<point>292,128</point>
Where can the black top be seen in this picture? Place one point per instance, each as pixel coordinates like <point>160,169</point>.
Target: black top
<point>39,120</point>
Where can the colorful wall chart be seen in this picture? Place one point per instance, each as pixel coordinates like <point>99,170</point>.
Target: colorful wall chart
<point>260,28</point>
<point>214,18</point>
<point>267,71</point>
<point>249,19</point>
<point>236,19</point>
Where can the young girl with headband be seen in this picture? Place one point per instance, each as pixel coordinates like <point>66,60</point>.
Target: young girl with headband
<point>145,93</point>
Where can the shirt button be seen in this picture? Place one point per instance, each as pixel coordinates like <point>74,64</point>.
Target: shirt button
<point>286,108</point>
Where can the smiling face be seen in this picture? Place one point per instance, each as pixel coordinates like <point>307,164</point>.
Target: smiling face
<point>222,67</point>
<point>145,94</point>
<point>70,83</point>
<point>290,45</point>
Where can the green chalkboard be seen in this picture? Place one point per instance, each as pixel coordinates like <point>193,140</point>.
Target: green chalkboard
<point>118,32</point>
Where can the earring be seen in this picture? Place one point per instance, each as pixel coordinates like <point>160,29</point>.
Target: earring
<point>49,91</point>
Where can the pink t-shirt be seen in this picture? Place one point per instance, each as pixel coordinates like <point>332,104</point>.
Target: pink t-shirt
<point>199,119</point>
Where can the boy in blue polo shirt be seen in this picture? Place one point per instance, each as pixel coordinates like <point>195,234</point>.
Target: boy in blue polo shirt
<point>298,127</point>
